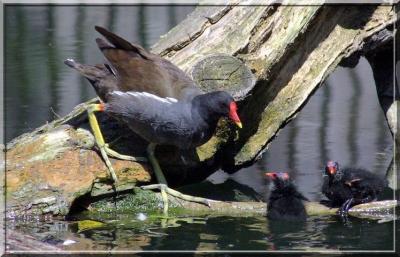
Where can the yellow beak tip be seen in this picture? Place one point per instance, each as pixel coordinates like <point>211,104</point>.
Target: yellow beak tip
<point>239,124</point>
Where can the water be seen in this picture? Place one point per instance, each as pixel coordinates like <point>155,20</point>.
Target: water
<point>208,233</point>
<point>342,121</point>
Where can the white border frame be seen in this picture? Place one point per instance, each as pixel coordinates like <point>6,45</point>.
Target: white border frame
<point>181,2</point>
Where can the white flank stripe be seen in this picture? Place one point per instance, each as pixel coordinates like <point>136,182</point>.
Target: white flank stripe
<point>172,99</point>
<point>168,100</point>
<point>117,93</point>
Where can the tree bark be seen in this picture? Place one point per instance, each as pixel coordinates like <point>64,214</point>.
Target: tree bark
<point>276,56</point>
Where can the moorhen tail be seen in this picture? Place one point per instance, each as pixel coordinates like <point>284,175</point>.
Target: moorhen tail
<point>156,100</point>
<point>101,77</point>
<point>285,202</point>
<point>348,187</point>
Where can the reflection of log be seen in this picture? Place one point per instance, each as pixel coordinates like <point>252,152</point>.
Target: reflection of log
<point>17,241</point>
<point>290,50</point>
<point>374,210</point>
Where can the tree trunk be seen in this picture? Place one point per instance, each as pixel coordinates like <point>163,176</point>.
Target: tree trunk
<point>271,58</point>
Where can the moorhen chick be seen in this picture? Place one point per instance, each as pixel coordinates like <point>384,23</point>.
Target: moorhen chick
<point>285,202</point>
<point>348,187</point>
<point>333,187</point>
<point>155,99</point>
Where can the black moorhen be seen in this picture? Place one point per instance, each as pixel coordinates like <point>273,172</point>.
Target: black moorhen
<point>155,99</point>
<point>350,186</point>
<point>285,202</point>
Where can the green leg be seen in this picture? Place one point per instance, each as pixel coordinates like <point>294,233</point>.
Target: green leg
<point>159,175</point>
<point>104,149</point>
<point>163,186</point>
<point>98,137</point>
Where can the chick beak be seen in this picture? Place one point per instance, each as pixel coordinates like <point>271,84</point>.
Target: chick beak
<point>331,170</point>
<point>270,175</point>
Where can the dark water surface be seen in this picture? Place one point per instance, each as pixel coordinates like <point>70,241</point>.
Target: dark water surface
<point>342,121</point>
<point>126,232</point>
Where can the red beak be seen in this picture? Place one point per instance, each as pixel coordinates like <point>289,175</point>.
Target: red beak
<point>233,114</point>
<point>331,170</point>
<point>271,175</point>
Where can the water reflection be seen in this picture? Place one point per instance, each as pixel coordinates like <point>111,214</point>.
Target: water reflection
<point>218,233</point>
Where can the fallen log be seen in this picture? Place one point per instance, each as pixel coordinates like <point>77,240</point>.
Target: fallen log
<point>149,202</point>
<point>276,56</point>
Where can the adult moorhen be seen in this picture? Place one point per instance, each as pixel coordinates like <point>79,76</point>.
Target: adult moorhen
<point>155,99</point>
<point>350,186</point>
<point>285,202</point>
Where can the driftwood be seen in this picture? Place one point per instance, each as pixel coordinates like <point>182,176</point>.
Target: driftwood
<point>275,56</point>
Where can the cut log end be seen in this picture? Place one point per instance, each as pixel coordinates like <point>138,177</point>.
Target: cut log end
<point>223,72</point>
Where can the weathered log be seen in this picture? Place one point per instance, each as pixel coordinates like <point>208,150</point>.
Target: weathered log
<point>290,50</point>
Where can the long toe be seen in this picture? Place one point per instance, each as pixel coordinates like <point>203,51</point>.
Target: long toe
<point>178,194</point>
<point>164,196</point>
<point>188,198</point>
<point>117,155</point>
<point>344,209</point>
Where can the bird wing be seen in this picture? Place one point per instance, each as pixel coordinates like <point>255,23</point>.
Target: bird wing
<point>353,182</point>
<point>142,71</point>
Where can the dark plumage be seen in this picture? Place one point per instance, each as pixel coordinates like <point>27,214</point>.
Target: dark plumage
<point>350,186</point>
<point>138,70</point>
<point>156,99</point>
<point>285,202</point>
<point>100,76</point>
<point>132,68</point>
<point>333,186</point>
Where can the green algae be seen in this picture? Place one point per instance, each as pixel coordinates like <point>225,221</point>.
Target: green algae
<point>138,201</point>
